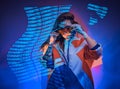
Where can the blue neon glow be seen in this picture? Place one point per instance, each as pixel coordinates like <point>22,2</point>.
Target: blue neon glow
<point>101,11</point>
<point>24,57</point>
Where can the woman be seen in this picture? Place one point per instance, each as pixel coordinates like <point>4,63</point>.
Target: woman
<point>70,52</point>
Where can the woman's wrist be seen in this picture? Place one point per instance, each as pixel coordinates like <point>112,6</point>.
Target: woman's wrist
<point>85,35</point>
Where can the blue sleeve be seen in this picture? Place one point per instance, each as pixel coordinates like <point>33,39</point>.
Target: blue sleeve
<point>95,47</point>
<point>48,57</point>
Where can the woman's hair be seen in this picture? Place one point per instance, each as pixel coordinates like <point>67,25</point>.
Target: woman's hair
<point>62,17</point>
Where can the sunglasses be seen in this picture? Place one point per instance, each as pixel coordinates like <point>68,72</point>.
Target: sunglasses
<point>67,29</point>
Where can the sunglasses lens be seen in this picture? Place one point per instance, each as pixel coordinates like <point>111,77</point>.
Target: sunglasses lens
<point>65,30</point>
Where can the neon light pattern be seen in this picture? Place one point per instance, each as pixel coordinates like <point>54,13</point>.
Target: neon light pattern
<point>100,11</point>
<point>24,57</point>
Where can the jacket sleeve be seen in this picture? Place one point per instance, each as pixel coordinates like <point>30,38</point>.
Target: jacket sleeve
<point>58,61</point>
<point>48,57</point>
<point>86,52</point>
<point>93,53</point>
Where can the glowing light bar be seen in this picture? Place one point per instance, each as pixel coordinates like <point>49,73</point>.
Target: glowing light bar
<point>101,11</point>
<point>24,57</point>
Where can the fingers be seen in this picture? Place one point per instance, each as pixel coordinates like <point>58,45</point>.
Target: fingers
<point>53,37</point>
<point>52,40</point>
<point>77,28</point>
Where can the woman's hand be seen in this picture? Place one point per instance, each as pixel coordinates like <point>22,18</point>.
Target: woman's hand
<point>53,37</point>
<point>79,29</point>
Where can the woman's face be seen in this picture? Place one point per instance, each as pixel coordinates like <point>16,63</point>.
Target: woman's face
<point>65,32</point>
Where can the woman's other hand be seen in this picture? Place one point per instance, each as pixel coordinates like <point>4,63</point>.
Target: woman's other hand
<point>53,37</point>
